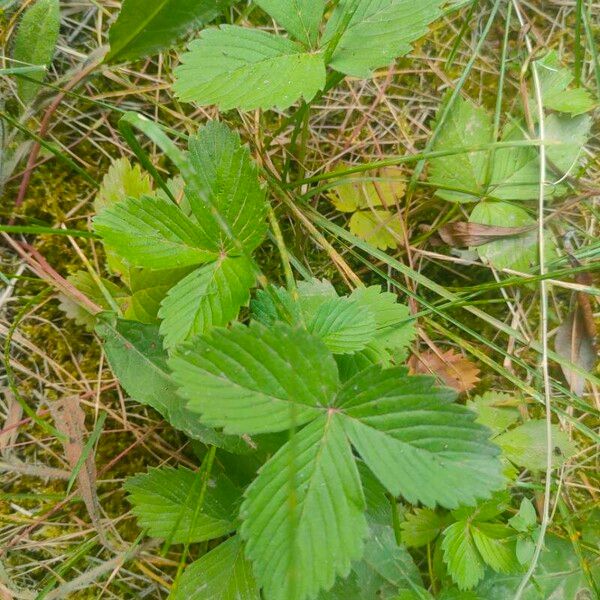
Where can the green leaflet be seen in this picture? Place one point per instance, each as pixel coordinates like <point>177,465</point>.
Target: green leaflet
<point>301,18</point>
<point>209,296</point>
<point>165,502</point>
<point>153,233</point>
<point>519,252</point>
<point>422,527</point>
<point>142,29</point>
<point>234,67</point>
<point>495,410</point>
<point>378,31</point>
<point>525,445</point>
<point>221,574</point>
<point>226,181</point>
<point>266,380</point>
<point>122,180</point>
<point>135,354</point>
<point>299,549</point>
<point>410,434</point>
<point>35,43</point>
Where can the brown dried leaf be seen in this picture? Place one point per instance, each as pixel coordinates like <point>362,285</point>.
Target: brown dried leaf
<point>9,429</point>
<point>453,369</point>
<point>69,419</point>
<point>462,233</point>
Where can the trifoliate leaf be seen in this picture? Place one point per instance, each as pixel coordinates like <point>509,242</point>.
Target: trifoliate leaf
<point>148,288</point>
<point>256,380</point>
<point>519,252</point>
<point>137,358</point>
<point>304,519</point>
<point>554,80</point>
<point>229,184</point>
<point>378,32</point>
<point>35,43</point>
<point>165,501</point>
<point>422,526</point>
<point>141,30</point>
<point>221,574</point>
<point>525,445</point>
<point>466,126</point>
<point>461,556</point>
<point>526,518</point>
<point>381,228</point>
<point>235,67</point>
<point>209,296</point>
<point>84,282</point>
<point>300,17</point>
<point>387,416</point>
<point>122,180</point>
<point>495,410</point>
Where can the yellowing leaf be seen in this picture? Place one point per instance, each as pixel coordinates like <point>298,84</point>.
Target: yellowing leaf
<point>381,228</point>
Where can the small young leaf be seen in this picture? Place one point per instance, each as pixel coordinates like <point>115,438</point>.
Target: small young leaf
<point>495,410</point>
<point>416,441</point>
<point>209,296</point>
<point>525,445</point>
<point>422,527</point>
<point>526,518</point>
<point>301,18</point>
<point>255,380</point>
<point>153,233</point>
<point>35,43</point>
<point>381,228</point>
<point>378,32</point>
<point>141,30</point>
<point>221,574</point>
<point>122,180</point>
<point>303,516</point>
<point>235,67</point>
<point>165,502</point>
<point>461,556</point>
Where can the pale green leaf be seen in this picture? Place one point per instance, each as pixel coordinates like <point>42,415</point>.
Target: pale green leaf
<point>303,516</point>
<point>559,576</point>
<point>554,80</point>
<point>84,282</point>
<point>422,526</point>
<point>495,410</point>
<point>566,137</point>
<point>343,325</point>
<point>209,296</point>
<point>165,502</point>
<point>496,546</point>
<point>148,288</point>
<point>221,574</point>
<point>35,43</point>
<point>525,445</point>
<point>226,181</point>
<point>136,356</point>
<point>466,126</point>
<point>378,32</point>
<point>236,67</point>
<point>255,380</point>
<point>461,556</point>
<point>142,29</point>
<point>300,17</point>
<point>153,233</point>
<point>381,228</point>
<point>122,180</point>
<point>526,518</point>
<point>519,252</point>
<point>417,441</point>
